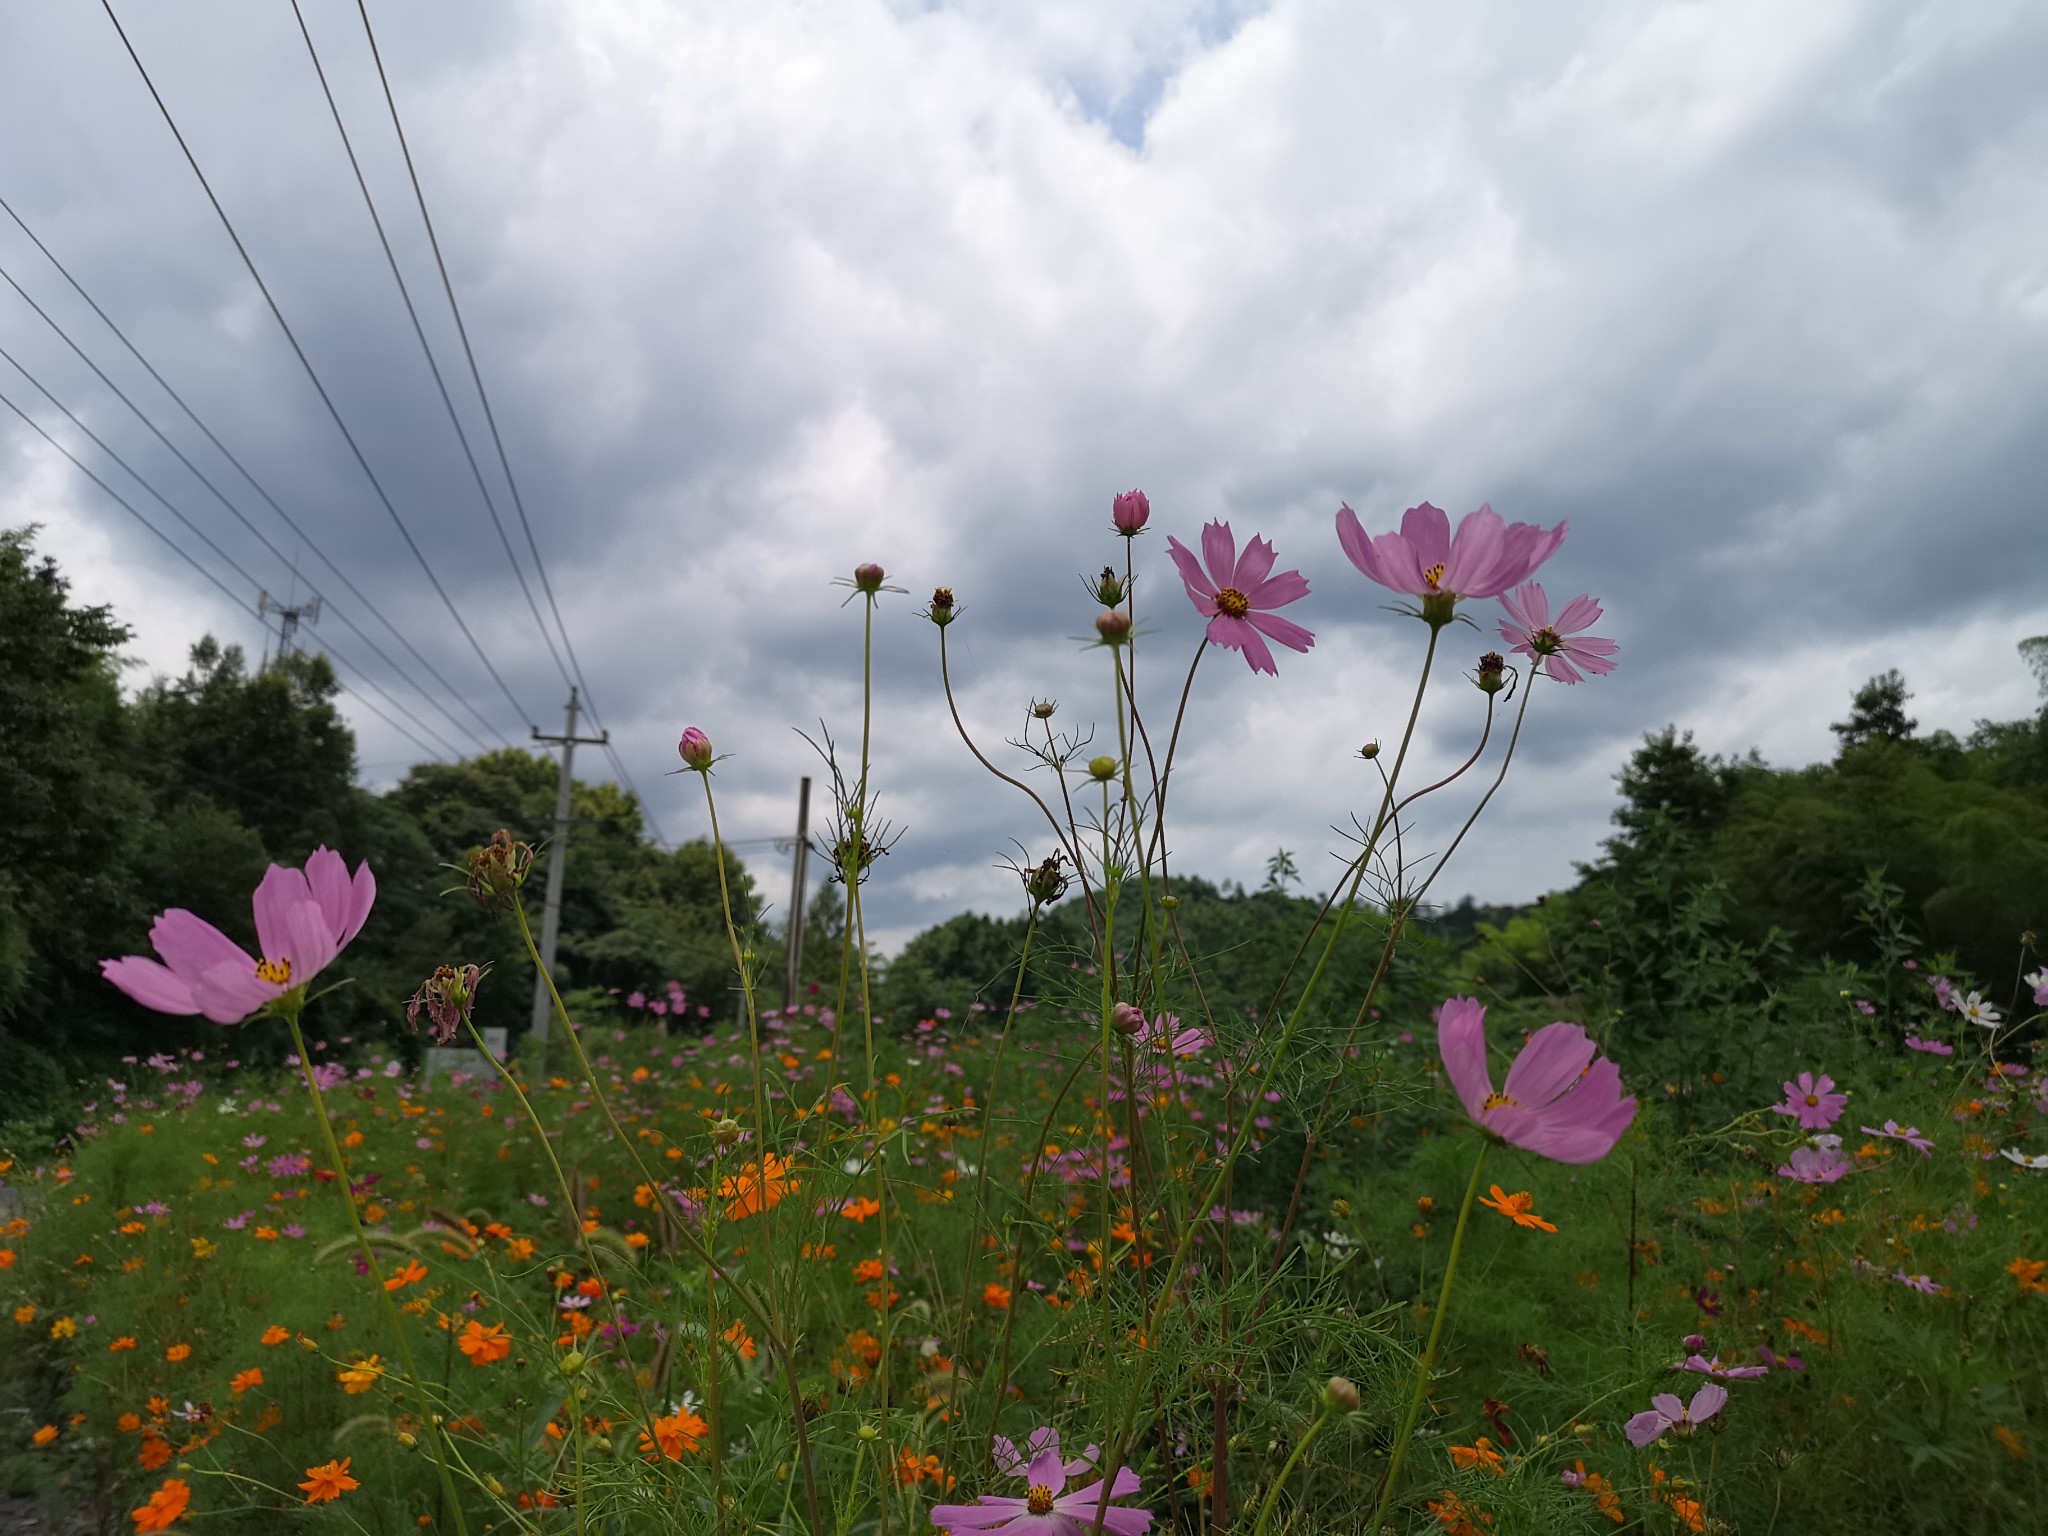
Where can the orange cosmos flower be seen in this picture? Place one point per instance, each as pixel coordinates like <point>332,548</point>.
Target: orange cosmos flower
<point>244,1380</point>
<point>414,1270</point>
<point>673,1437</point>
<point>994,1295</point>
<point>44,1436</point>
<point>178,1352</point>
<point>164,1506</point>
<point>1478,1454</point>
<point>360,1377</point>
<point>329,1481</point>
<point>484,1344</point>
<point>860,1210</point>
<point>1516,1208</point>
<point>274,1336</point>
<point>757,1187</point>
<point>126,1341</point>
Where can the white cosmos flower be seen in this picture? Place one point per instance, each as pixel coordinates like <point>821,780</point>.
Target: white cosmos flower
<point>1977,1011</point>
<point>2014,1154</point>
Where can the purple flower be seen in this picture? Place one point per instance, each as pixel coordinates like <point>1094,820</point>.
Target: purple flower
<point>1813,1100</point>
<point>1562,1099</point>
<point>695,747</point>
<point>1129,512</point>
<point>1047,1509</point>
<point>304,918</point>
<point>1815,1165</point>
<point>1931,1047</point>
<point>2038,980</point>
<point>1556,645</point>
<point>1483,559</point>
<point>1719,1372</point>
<point>1945,993</point>
<point>1239,592</point>
<point>1910,1136</point>
<point>1666,1413</point>
<point>1922,1283</point>
<point>289,1165</point>
<point>1778,1362</point>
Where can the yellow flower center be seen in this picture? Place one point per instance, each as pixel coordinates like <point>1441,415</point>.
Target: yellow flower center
<point>1812,1101</point>
<point>1233,603</point>
<point>277,972</point>
<point>1434,575</point>
<point>1499,1101</point>
<point>1039,1499</point>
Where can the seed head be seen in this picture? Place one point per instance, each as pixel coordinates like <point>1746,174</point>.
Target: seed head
<point>941,610</point>
<point>1369,751</point>
<point>1492,669</point>
<point>498,869</point>
<point>1041,709</point>
<point>1046,883</point>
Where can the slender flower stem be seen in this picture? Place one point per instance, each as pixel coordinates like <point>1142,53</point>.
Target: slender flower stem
<point>413,1378</point>
<point>1300,1449</point>
<point>1427,1362</point>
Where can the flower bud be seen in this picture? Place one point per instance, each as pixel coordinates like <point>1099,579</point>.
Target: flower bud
<point>1341,1393</point>
<point>1340,1209</point>
<point>1492,666</point>
<point>1129,511</point>
<point>1369,751</point>
<point>1170,903</point>
<point>726,1132</point>
<point>408,1439</point>
<point>1114,625</point>
<point>1109,587</point>
<point>941,610</point>
<point>1127,1018</point>
<point>867,578</point>
<point>1041,709</point>
<point>572,1363</point>
<point>695,750</point>
<point>1102,769</point>
<point>868,1432</point>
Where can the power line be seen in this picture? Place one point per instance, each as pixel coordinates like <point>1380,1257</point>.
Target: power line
<point>419,332</point>
<point>161,500</point>
<point>221,496</point>
<point>232,596</point>
<point>490,416</point>
<point>305,362</point>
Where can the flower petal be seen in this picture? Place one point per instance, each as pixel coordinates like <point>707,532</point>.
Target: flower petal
<point>282,890</point>
<point>1219,552</point>
<point>1461,1042</point>
<point>150,984</point>
<point>1254,566</point>
<point>1286,631</point>
<point>191,946</point>
<point>1549,1064</point>
<point>1191,572</point>
<point>1277,591</point>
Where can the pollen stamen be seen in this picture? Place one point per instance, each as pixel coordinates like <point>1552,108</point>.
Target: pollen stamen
<point>1232,603</point>
<point>1499,1101</point>
<point>1039,1500</point>
<point>277,972</point>
<point>1433,575</point>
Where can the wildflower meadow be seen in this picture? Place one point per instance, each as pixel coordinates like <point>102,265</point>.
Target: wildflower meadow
<point>1168,1208</point>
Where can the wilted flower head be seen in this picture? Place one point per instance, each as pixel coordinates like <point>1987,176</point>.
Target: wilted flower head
<point>447,996</point>
<point>304,919</point>
<point>1046,882</point>
<point>498,869</point>
<point>1562,1099</point>
<point>1239,593</point>
<point>1492,672</point>
<point>1129,512</point>
<point>1424,560</point>
<point>941,611</point>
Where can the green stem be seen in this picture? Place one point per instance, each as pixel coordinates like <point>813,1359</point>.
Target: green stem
<point>1287,1471</point>
<point>432,1420</point>
<point>1427,1363</point>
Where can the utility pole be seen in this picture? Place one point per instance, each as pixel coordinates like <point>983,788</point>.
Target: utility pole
<point>289,616</point>
<point>558,864</point>
<point>800,863</point>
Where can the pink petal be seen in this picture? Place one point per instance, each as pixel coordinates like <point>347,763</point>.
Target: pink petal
<point>1358,546</point>
<point>1461,1042</point>
<point>1253,566</point>
<point>1549,1064</point>
<point>1286,631</point>
<point>228,994</point>
<point>327,879</point>
<point>1643,1430</point>
<point>1426,530</point>
<point>1219,553</point>
<point>1047,1470</point>
<point>1557,665</point>
<point>150,984</point>
<point>1707,1402</point>
<point>363,890</point>
<point>987,1515</point>
<point>1475,553</point>
<point>1238,635</point>
<point>1582,612</point>
<point>281,890</point>
<point>1667,1403</point>
<point>1528,606</point>
<point>190,945</point>
<point>1191,572</point>
<point>309,942</point>
<point>1277,591</point>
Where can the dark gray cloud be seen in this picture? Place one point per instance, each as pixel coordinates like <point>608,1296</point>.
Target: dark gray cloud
<point>1755,297</point>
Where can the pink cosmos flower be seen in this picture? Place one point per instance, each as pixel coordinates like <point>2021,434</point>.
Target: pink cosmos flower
<point>1667,1413</point>
<point>2038,980</point>
<point>1925,1284</point>
<point>1815,1165</point>
<point>1239,594</point>
<point>1931,1047</point>
<point>1129,512</point>
<point>1556,645</point>
<point>1047,1509</point>
<point>1910,1136</point>
<point>1425,560</point>
<point>1813,1100</point>
<point>303,920</point>
<point>1562,1099</point>
<point>1713,1367</point>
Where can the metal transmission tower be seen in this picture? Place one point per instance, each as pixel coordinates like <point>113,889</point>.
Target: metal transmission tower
<point>558,864</point>
<point>289,616</point>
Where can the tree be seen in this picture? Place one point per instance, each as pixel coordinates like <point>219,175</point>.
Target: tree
<point>1878,710</point>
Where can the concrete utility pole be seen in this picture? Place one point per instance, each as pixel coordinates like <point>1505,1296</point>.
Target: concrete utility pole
<point>793,976</point>
<point>558,864</point>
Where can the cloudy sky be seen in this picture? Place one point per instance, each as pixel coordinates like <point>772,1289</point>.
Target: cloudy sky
<point>1756,295</point>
